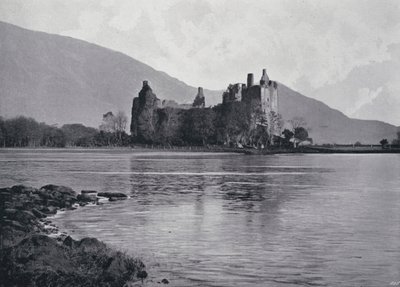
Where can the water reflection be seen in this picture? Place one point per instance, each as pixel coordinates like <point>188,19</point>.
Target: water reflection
<point>232,220</point>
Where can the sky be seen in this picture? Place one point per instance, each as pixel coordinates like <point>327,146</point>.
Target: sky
<point>345,53</point>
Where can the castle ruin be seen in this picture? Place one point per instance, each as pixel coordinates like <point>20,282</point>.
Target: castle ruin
<point>248,115</point>
<point>263,96</point>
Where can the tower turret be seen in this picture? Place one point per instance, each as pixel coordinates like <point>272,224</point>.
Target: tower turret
<point>199,100</point>
<point>250,80</point>
<point>264,78</point>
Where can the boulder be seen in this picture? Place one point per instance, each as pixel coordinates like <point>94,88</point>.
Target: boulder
<point>23,189</point>
<point>113,198</point>
<point>13,224</point>
<point>88,191</point>
<point>22,216</point>
<point>37,213</point>
<point>59,189</point>
<point>61,196</point>
<point>90,244</point>
<point>68,241</point>
<point>87,197</point>
<point>112,194</point>
<point>30,258</point>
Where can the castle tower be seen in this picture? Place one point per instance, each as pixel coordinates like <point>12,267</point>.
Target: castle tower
<point>250,80</point>
<point>269,94</point>
<point>199,101</point>
<point>264,78</point>
<point>200,92</point>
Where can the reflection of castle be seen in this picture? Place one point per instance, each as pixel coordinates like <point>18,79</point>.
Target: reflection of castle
<point>263,96</point>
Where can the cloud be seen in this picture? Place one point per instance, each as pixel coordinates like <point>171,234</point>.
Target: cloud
<point>384,107</point>
<point>370,91</point>
<point>364,97</point>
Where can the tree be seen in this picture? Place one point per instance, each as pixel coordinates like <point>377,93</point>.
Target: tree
<point>108,123</point>
<point>120,121</point>
<point>300,135</point>
<point>287,136</point>
<point>232,123</point>
<point>198,126</point>
<point>396,141</point>
<point>115,125</point>
<point>2,133</point>
<point>52,136</point>
<point>297,122</point>
<point>275,124</point>
<point>299,131</point>
<point>79,135</point>
<point>384,143</point>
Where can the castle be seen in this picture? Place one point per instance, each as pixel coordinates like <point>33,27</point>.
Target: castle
<point>263,96</point>
<point>247,115</point>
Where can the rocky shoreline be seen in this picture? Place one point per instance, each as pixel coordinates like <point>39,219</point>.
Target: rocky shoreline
<point>34,253</point>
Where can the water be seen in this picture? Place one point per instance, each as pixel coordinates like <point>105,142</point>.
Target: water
<point>234,220</point>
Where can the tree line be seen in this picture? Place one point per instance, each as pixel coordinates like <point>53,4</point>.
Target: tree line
<point>222,125</point>
<point>26,132</point>
<point>230,124</point>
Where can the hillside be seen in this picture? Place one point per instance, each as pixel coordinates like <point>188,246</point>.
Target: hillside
<point>58,79</point>
<point>61,80</point>
<point>329,125</point>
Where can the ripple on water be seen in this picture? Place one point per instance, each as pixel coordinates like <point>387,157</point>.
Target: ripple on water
<point>220,220</point>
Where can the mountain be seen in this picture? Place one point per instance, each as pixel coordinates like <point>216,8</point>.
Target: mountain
<point>59,79</point>
<point>328,125</point>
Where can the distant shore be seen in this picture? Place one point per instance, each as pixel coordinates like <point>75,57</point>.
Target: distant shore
<point>314,149</point>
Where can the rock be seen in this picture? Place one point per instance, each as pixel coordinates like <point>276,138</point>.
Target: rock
<point>51,210</point>
<point>87,197</point>
<point>12,235</point>
<point>23,189</point>
<point>61,237</point>
<point>59,189</point>
<point>165,281</point>
<point>14,224</point>
<point>37,213</point>
<point>10,212</point>
<point>61,196</point>
<point>88,191</point>
<point>22,216</point>
<point>112,194</point>
<point>90,244</point>
<point>142,275</point>
<point>68,241</point>
<point>116,198</point>
<point>28,257</point>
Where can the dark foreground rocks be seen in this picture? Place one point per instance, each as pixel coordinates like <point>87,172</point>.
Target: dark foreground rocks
<point>30,257</point>
<point>113,196</point>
